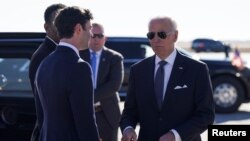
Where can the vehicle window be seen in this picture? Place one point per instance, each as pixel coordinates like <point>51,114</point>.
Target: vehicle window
<point>210,43</point>
<point>219,44</point>
<point>14,74</point>
<point>149,51</point>
<point>130,50</point>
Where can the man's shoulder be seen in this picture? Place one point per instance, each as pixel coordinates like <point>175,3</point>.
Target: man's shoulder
<point>190,60</point>
<point>112,52</point>
<point>47,43</point>
<point>191,63</point>
<point>44,49</point>
<point>146,62</point>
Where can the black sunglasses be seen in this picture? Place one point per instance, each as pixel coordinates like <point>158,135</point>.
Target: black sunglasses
<point>162,35</point>
<point>100,36</point>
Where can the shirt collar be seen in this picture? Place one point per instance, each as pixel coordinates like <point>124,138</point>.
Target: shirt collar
<point>70,46</point>
<point>170,59</point>
<point>98,53</point>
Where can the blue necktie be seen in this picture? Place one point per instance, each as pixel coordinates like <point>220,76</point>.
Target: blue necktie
<point>93,65</point>
<point>159,83</point>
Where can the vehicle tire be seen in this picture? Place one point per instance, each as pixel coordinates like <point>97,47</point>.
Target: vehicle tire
<point>227,93</point>
<point>9,116</point>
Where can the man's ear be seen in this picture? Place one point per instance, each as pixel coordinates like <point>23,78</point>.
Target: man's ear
<point>46,27</point>
<point>78,28</point>
<point>175,36</point>
<point>105,38</point>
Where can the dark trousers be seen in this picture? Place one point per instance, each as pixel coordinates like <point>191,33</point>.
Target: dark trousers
<point>106,131</point>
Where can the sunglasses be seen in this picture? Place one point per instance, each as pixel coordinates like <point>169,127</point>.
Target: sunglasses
<point>100,36</point>
<point>162,35</point>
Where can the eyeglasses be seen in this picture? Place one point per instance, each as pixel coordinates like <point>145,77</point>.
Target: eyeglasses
<point>100,36</point>
<point>162,35</point>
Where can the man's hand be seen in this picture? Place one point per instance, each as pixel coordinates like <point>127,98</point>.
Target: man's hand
<point>169,136</point>
<point>129,135</point>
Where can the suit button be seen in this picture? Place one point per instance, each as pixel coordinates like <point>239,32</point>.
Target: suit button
<point>160,119</point>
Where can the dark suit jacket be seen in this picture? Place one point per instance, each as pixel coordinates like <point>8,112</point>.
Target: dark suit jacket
<point>43,51</point>
<point>189,110</point>
<point>109,79</point>
<point>64,86</point>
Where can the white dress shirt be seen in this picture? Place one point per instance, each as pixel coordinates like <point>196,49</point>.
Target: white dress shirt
<point>167,68</point>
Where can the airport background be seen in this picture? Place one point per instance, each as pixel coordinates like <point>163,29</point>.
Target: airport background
<point>243,46</point>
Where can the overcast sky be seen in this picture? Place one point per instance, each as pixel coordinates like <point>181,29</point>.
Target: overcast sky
<point>218,19</point>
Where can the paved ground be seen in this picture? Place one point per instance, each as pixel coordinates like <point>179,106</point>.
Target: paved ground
<point>242,117</point>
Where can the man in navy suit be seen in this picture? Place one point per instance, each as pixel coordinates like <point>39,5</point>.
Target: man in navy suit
<point>49,44</point>
<point>178,107</point>
<point>108,76</point>
<point>64,84</point>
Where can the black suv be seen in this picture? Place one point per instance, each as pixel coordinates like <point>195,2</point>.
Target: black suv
<point>209,45</point>
<point>231,87</point>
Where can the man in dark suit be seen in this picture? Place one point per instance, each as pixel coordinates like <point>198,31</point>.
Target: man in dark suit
<point>43,51</point>
<point>64,84</point>
<point>108,75</point>
<point>169,94</point>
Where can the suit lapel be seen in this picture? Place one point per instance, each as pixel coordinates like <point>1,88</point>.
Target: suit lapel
<point>150,71</point>
<point>175,76</point>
